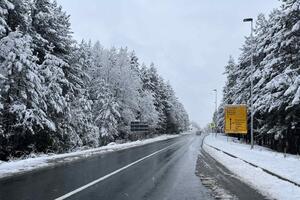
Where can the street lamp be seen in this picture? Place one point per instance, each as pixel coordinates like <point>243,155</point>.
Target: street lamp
<point>251,80</point>
<point>216,109</point>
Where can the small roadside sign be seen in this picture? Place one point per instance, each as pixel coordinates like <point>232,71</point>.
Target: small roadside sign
<point>236,119</point>
<point>137,126</point>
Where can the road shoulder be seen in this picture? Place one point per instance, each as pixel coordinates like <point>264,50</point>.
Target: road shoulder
<point>267,184</point>
<point>221,181</point>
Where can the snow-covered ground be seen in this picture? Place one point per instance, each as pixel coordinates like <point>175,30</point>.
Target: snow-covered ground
<point>20,166</point>
<point>271,186</point>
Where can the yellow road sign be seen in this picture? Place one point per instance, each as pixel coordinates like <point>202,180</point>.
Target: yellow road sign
<point>236,119</point>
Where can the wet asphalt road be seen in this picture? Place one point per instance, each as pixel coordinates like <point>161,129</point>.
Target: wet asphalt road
<point>168,175</point>
<point>217,176</point>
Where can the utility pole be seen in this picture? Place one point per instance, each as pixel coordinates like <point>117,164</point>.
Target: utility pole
<point>251,80</point>
<point>216,109</point>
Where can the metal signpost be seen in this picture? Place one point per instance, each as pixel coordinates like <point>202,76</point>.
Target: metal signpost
<point>251,80</point>
<point>236,119</point>
<point>216,111</point>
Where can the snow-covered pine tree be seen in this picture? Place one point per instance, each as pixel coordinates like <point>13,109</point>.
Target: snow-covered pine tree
<point>284,82</point>
<point>5,6</point>
<point>265,101</point>
<point>220,118</point>
<point>229,91</point>
<point>105,78</point>
<point>20,18</point>
<point>242,90</point>
<point>146,111</point>
<point>124,82</point>
<point>24,112</point>
<point>57,94</point>
<point>146,78</point>
<point>262,40</point>
<point>172,117</point>
<point>134,62</point>
<point>128,85</point>
<point>229,88</point>
<point>289,50</point>
<point>165,94</point>
<point>151,82</point>
<point>177,118</point>
<point>54,45</point>
<point>81,103</point>
<point>278,83</point>
<point>107,115</point>
<point>51,28</point>
<point>2,136</point>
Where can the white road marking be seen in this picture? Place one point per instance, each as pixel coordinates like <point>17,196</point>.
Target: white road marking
<point>111,174</point>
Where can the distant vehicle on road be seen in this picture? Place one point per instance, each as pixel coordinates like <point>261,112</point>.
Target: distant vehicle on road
<point>198,132</point>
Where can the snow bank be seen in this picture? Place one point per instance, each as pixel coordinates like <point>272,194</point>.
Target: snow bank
<point>20,166</point>
<point>275,162</point>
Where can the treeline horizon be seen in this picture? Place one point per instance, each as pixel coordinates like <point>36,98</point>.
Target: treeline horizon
<point>276,79</point>
<point>58,95</point>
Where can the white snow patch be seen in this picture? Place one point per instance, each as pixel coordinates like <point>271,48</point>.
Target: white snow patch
<point>2,77</point>
<point>217,192</point>
<point>296,99</point>
<point>296,27</point>
<point>21,166</point>
<point>271,186</point>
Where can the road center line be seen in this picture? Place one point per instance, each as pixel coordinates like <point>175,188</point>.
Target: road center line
<point>111,174</point>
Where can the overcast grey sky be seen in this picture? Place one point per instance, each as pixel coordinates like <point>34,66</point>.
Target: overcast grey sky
<point>189,40</point>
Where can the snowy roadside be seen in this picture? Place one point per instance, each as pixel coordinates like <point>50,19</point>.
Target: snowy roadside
<point>274,162</point>
<point>21,166</point>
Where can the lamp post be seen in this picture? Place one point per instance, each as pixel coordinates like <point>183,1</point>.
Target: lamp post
<point>216,109</point>
<point>251,80</point>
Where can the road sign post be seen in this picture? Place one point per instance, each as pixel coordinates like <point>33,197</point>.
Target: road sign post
<point>236,119</point>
